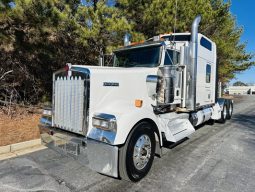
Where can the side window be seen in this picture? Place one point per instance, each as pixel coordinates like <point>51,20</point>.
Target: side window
<point>171,57</point>
<point>208,73</point>
<point>206,44</point>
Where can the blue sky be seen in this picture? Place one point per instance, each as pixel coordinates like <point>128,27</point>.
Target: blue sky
<point>245,15</point>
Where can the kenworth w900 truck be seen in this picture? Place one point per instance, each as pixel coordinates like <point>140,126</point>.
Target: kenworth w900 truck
<point>118,118</point>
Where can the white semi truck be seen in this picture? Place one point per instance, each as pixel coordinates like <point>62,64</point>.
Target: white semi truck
<point>118,118</point>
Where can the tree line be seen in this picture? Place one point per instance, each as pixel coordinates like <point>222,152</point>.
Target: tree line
<point>39,37</point>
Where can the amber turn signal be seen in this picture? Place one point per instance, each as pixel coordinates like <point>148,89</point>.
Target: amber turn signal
<point>138,103</point>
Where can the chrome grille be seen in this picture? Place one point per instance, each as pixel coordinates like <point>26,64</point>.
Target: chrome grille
<point>71,103</point>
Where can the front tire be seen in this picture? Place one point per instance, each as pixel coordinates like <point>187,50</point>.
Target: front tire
<point>137,155</point>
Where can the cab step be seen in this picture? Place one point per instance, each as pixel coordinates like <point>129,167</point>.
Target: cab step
<point>177,126</point>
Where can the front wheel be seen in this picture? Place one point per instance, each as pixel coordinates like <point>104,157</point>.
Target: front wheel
<point>137,155</point>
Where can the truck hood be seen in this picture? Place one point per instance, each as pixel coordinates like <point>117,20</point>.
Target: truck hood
<point>112,88</point>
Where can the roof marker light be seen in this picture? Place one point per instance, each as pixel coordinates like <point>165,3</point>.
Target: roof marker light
<point>68,69</point>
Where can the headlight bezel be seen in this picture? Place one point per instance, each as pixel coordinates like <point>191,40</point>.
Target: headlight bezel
<point>105,122</point>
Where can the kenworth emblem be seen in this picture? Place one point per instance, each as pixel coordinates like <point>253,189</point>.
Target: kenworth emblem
<point>113,84</point>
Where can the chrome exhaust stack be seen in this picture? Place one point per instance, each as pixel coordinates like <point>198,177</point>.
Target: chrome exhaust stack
<point>193,63</point>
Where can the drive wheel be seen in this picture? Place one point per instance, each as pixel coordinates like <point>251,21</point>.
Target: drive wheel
<point>230,110</point>
<point>137,155</point>
<point>223,114</point>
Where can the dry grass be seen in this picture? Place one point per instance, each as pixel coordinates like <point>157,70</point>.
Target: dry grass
<point>22,126</point>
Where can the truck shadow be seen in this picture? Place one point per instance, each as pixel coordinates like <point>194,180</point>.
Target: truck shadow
<point>245,123</point>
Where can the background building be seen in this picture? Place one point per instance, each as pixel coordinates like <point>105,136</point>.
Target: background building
<point>241,90</point>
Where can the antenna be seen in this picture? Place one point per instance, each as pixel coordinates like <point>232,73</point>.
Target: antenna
<point>175,18</point>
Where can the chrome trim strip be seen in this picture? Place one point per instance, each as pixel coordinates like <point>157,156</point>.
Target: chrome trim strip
<point>105,116</point>
<point>86,96</point>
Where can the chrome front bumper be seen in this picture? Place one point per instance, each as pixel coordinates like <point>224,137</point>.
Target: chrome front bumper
<point>98,156</point>
<point>102,157</point>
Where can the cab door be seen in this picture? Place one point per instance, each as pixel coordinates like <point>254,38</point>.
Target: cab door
<point>208,83</point>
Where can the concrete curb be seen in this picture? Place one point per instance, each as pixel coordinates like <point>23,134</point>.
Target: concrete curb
<point>25,151</point>
<point>18,149</point>
<point>20,146</point>
<point>5,149</point>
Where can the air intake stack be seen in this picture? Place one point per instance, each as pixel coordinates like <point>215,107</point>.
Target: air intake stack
<point>193,62</point>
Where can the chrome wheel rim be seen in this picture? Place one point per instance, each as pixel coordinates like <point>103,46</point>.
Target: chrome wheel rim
<point>224,112</point>
<point>142,152</point>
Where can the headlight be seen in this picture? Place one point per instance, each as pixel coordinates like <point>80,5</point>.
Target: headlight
<point>104,121</point>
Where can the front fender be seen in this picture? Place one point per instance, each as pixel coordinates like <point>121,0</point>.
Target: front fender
<point>127,117</point>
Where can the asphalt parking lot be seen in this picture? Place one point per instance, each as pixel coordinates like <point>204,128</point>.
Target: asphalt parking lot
<point>219,157</point>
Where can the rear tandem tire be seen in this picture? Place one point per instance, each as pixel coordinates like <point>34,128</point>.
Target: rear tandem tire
<point>223,114</point>
<point>230,110</point>
<point>129,169</point>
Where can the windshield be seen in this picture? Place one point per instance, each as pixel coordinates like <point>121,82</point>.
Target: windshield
<point>138,57</point>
